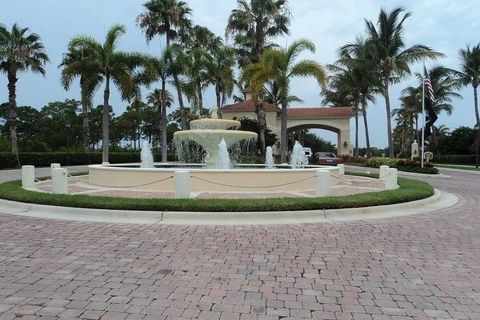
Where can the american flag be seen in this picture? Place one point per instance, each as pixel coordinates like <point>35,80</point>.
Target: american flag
<point>429,88</point>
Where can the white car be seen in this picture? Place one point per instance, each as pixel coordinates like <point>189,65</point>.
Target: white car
<point>308,153</point>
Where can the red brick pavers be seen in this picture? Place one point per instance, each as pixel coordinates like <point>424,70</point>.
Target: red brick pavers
<point>418,267</point>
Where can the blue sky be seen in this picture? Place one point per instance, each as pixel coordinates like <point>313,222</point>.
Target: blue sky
<point>444,25</point>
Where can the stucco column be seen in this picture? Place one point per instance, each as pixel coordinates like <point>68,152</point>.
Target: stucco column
<point>343,135</point>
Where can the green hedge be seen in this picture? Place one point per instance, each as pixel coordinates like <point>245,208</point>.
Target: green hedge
<point>402,165</point>
<point>44,159</point>
<point>468,159</point>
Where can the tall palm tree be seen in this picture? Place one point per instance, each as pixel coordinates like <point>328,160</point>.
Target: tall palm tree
<point>20,50</point>
<point>253,24</point>
<point>159,69</point>
<point>279,66</point>
<point>358,60</point>
<point>220,65</point>
<point>470,72</point>
<point>392,56</point>
<point>77,63</point>
<point>110,65</point>
<point>169,18</point>
<point>200,50</point>
<point>343,91</point>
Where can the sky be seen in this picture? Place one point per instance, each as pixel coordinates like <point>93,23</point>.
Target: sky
<point>444,25</point>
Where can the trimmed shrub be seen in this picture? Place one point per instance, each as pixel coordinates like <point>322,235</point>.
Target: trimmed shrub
<point>403,165</point>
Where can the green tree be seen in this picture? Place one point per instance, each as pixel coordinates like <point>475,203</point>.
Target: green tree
<point>110,65</point>
<point>357,63</point>
<point>254,24</point>
<point>78,63</point>
<point>169,18</point>
<point>392,58</point>
<point>20,50</point>
<point>470,72</point>
<point>220,68</point>
<point>279,66</point>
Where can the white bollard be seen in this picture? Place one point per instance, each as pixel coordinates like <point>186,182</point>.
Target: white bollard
<point>53,166</point>
<point>182,184</point>
<point>391,179</point>
<point>322,183</point>
<point>383,172</point>
<point>59,180</point>
<point>105,163</point>
<point>28,176</point>
<point>341,169</point>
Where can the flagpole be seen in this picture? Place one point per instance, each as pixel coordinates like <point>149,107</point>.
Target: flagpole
<point>423,116</point>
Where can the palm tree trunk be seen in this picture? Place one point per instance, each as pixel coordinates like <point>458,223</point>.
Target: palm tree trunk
<point>200,97</point>
<point>475,97</point>
<point>356,132</point>
<point>12,111</point>
<point>283,131</point>
<point>163,123</point>
<point>106,120</point>
<point>218,95</point>
<point>85,126</point>
<point>365,123</point>
<point>261,124</point>
<point>389,118</point>
<point>181,106</point>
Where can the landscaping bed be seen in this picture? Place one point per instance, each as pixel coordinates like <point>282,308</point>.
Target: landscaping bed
<point>409,190</point>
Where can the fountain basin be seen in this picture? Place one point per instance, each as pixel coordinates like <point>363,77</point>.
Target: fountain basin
<point>243,179</point>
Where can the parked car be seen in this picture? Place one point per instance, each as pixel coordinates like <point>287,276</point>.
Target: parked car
<point>325,158</point>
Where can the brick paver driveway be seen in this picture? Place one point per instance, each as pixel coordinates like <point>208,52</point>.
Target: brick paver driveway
<point>419,267</point>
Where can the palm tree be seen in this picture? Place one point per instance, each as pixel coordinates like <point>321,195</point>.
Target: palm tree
<point>343,91</point>
<point>470,72</point>
<point>200,50</point>
<point>357,60</point>
<point>391,56</point>
<point>159,69</point>
<point>445,86</point>
<point>279,66</point>
<point>220,68</point>
<point>20,51</point>
<point>169,18</point>
<point>77,64</point>
<point>253,24</point>
<point>110,65</point>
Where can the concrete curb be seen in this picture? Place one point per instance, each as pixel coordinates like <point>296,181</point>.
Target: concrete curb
<point>440,200</point>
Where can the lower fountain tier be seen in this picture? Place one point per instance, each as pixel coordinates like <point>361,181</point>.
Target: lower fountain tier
<point>209,140</point>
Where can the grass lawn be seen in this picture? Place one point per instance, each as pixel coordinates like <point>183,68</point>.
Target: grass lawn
<point>409,190</point>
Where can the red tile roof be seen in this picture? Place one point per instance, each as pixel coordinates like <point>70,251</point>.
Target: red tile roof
<point>248,105</point>
<point>293,113</point>
<point>326,112</point>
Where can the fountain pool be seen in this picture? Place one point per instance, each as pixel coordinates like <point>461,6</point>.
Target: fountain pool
<point>213,135</point>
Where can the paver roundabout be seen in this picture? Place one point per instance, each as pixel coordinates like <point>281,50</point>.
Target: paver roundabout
<point>417,267</point>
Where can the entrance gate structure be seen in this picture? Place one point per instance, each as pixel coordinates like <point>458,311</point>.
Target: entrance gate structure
<point>335,119</point>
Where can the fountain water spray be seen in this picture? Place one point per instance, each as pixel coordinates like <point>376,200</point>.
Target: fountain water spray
<point>146,156</point>
<point>269,162</point>
<point>224,161</point>
<point>298,158</point>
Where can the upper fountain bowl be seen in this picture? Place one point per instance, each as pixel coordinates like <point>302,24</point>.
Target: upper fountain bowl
<point>214,124</point>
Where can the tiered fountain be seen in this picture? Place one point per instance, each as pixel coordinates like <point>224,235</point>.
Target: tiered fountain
<point>209,133</point>
<point>215,174</point>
